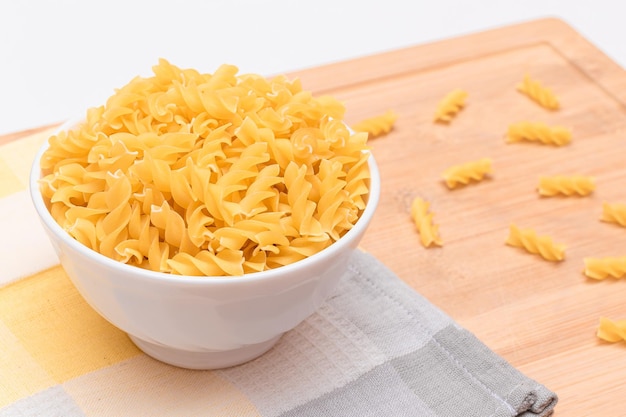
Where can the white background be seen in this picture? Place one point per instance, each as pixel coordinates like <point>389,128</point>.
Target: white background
<point>58,58</point>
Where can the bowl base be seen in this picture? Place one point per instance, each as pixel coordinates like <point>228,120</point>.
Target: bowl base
<point>207,359</point>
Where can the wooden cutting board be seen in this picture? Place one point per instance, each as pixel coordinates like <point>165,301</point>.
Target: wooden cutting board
<point>540,316</point>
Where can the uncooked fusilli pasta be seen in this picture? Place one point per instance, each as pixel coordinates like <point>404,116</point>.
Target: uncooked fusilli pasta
<point>377,125</point>
<point>601,268</point>
<point>464,173</point>
<point>540,245</point>
<point>450,105</point>
<point>612,330</point>
<point>614,213</point>
<point>208,174</point>
<point>538,93</point>
<point>566,185</point>
<point>538,132</point>
<point>429,232</point>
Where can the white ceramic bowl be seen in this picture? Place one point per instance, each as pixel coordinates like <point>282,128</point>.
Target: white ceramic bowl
<point>203,322</point>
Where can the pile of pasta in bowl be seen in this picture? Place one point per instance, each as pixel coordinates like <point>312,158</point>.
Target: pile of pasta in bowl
<point>219,174</point>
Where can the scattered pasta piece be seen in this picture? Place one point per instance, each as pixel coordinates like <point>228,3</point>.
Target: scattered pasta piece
<point>614,213</point>
<point>579,185</point>
<point>208,174</point>
<point>450,105</point>
<point>538,93</point>
<point>429,232</point>
<point>462,174</point>
<point>601,268</point>
<point>539,245</point>
<point>377,125</point>
<point>538,132</point>
<point>612,331</point>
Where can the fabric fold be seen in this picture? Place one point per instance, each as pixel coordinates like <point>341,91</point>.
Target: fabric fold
<point>400,355</point>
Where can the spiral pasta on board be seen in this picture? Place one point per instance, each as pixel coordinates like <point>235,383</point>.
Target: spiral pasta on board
<point>377,125</point>
<point>614,213</point>
<point>537,92</point>
<point>208,174</point>
<point>463,174</point>
<point>574,185</point>
<point>540,245</point>
<point>538,132</point>
<point>612,330</point>
<point>423,219</point>
<point>601,268</point>
<point>450,105</point>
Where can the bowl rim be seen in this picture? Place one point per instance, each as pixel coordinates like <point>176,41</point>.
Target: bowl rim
<point>136,272</point>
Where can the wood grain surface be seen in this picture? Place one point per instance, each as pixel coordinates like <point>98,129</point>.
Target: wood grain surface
<point>4,139</point>
<point>541,316</point>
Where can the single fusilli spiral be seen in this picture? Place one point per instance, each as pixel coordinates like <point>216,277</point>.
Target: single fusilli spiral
<point>566,185</point>
<point>614,213</point>
<point>601,268</point>
<point>377,125</point>
<point>464,173</point>
<point>538,93</point>
<point>538,132</point>
<point>612,330</point>
<point>540,245</point>
<point>429,232</point>
<point>450,105</point>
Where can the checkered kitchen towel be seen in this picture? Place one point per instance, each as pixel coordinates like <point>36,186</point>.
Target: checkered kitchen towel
<point>376,348</point>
